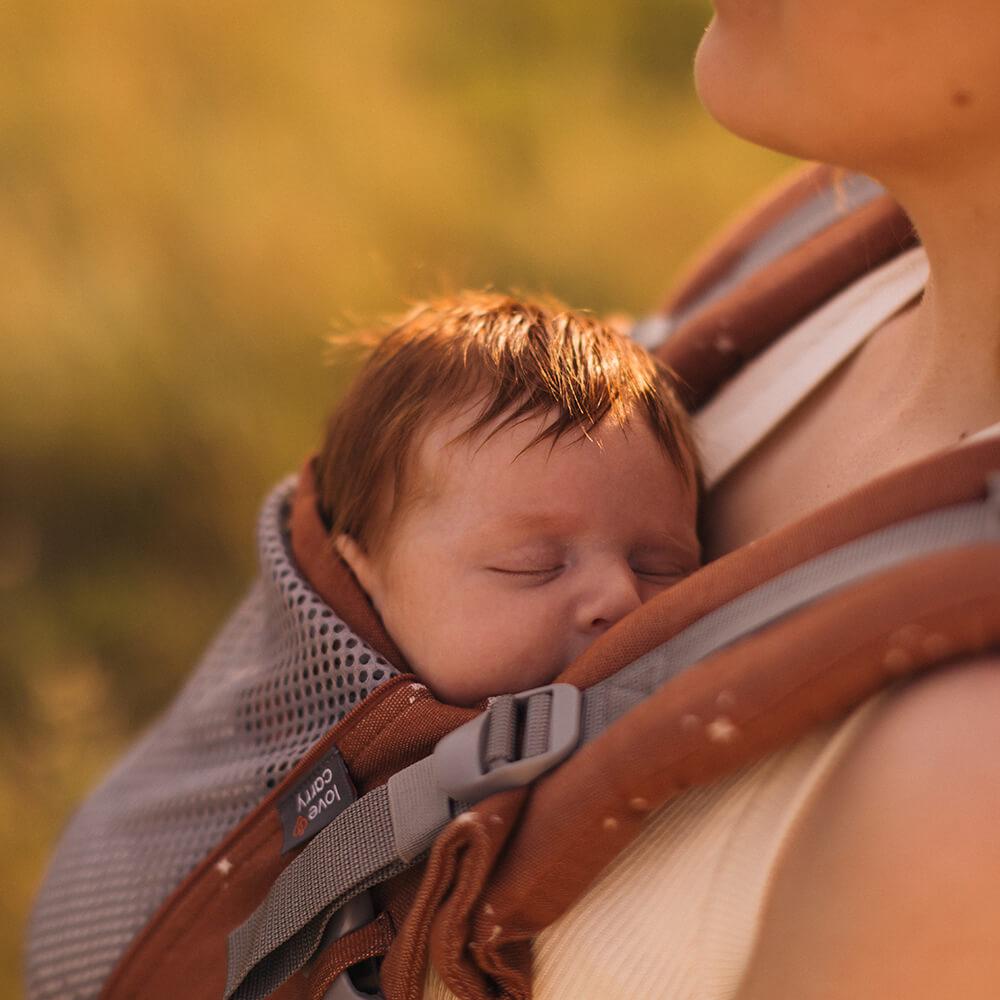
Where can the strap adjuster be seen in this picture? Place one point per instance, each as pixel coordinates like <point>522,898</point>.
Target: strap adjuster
<point>518,738</point>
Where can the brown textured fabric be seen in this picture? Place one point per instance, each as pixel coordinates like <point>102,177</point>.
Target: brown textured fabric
<point>329,574</point>
<point>725,249</point>
<point>718,340</point>
<point>490,885</point>
<point>368,941</point>
<point>182,952</point>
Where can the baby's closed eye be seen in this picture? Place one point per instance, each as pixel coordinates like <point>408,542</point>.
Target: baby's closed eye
<point>532,571</point>
<point>662,572</point>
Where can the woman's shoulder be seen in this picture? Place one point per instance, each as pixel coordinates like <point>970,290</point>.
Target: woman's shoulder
<point>890,885</point>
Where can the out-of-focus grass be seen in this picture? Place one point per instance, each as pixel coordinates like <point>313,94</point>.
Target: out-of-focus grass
<point>190,196</point>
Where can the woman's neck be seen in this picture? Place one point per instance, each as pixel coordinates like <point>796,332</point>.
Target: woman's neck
<point>949,356</point>
<point>924,381</point>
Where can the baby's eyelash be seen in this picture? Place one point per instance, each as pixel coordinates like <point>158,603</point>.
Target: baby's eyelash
<point>525,572</point>
<point>670,574</point>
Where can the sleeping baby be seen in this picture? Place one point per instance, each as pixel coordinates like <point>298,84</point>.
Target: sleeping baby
<point>506,479</point>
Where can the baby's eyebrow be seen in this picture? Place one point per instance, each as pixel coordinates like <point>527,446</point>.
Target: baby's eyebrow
<point>534,521</point>
<point>653,541</point>
<point>658,541</point>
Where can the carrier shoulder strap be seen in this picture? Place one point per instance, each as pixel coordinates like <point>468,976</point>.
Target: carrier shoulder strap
<point>811,236</point>
<point>744,411</point>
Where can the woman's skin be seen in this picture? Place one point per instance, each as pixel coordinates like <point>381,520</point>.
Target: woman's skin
<point>890,888</point>
<point>907,91</point>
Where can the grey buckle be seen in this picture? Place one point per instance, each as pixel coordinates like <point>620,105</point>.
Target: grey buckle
<point>467,766</point>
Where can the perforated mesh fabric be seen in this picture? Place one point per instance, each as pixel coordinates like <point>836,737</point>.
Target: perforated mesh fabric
<point>281,671</point>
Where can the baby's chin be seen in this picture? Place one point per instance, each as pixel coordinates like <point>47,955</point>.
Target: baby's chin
<point>504,678</point>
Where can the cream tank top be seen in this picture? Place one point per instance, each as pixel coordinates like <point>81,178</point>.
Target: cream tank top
<point>676,915</point>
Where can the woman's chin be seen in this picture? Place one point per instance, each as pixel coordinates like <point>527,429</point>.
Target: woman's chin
<point>744,99</point>
<point>725,87</point>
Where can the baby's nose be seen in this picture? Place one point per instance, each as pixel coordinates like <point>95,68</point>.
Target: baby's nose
<point>614,593</point>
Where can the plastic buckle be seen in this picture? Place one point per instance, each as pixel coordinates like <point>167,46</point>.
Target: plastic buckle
<point>459,756</point>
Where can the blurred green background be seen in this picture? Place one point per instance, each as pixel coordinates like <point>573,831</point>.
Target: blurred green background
<point>192,196</point>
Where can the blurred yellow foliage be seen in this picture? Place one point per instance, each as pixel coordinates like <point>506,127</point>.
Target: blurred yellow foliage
<point>192,195</point>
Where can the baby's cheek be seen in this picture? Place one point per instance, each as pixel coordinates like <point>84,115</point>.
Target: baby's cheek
<point>456,662</point>
<point>468,645</point>
<point>493,658</point>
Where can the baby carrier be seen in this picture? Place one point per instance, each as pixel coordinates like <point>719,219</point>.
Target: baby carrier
<point>306,814</point>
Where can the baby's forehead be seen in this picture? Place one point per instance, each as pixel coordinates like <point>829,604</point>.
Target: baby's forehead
<point>514,454</point>
<point>449,452</point>
<point>503,485</point>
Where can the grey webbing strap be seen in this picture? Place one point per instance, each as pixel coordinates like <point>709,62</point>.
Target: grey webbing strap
<point>419,810</point>
<point>385,831</point>
<point>382,834</point>
<point>389,828</point>
<point>288,926</point>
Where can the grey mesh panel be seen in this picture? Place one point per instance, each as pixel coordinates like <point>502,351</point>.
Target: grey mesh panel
<point>282,671</point>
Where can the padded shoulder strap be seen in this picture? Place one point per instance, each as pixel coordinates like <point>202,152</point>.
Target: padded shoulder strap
<point>808,238</point>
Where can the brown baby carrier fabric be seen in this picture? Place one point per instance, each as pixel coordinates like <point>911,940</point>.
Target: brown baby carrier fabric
<point>207,863</point>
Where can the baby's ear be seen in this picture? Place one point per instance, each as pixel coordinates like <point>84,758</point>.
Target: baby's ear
<point>360,564</point>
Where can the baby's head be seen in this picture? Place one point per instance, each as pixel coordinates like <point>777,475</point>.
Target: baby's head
<point>507,479</point>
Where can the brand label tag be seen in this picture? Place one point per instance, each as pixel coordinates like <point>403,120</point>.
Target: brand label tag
<point>315,799</point>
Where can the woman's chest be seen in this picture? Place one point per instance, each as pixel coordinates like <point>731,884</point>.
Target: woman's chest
<point>842,436</point>
<point>779,484</point>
